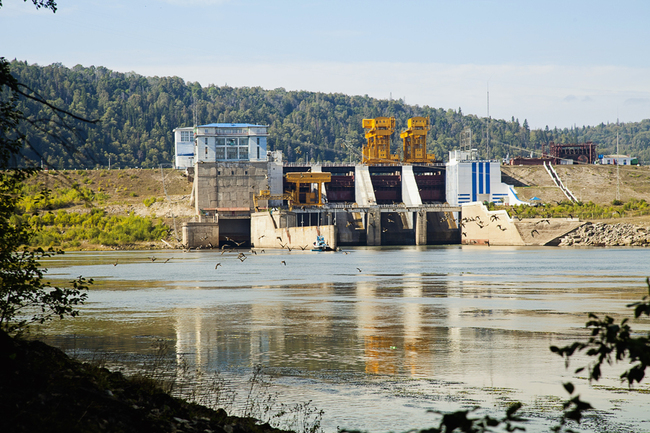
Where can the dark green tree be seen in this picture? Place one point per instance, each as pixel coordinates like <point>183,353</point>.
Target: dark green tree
<point>24,296</point>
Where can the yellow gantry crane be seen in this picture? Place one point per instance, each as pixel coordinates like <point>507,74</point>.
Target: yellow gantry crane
<point>377,148</point>
<point>308,179</point>
<point>415,141</point>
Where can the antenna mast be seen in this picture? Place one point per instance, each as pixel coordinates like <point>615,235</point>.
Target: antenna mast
<point>488,125</point>
<point>618,177</point>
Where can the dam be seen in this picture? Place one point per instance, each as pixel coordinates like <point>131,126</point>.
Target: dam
<point>245,196</point>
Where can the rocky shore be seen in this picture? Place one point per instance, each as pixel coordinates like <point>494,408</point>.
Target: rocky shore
<point>43,390</point>
<point>608,235</point>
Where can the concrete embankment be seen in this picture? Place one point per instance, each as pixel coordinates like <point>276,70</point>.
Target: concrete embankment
<point>606,235</point>
<point>480,226</point>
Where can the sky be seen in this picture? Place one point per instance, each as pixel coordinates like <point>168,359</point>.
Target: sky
<point>557,63</point>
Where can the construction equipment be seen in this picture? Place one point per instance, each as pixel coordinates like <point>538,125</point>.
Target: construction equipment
<point>308,178</point>
<point>377,149</point>
<point>265,194</point>
<point>415,141</point>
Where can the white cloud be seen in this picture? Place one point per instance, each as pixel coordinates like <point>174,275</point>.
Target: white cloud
<point>534,92</point>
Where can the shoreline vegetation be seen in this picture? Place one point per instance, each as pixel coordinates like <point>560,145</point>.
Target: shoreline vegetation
<point>77,210</point>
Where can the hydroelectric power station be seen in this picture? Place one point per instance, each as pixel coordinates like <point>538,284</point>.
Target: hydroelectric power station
<point>247,196</point>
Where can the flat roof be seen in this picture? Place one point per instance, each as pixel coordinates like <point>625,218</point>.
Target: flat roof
<point>231,125</point>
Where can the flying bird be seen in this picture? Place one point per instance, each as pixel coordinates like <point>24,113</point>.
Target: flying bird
<point>284,263</point>
<point>502,228</point>
<point>217,265</point>
<point>115,264</point>
<point>359,269</point>
<point>494,217</point>
<point>279,238</point>
<point>532,232</point>
<point>168,260</point>
<point>153,259</point>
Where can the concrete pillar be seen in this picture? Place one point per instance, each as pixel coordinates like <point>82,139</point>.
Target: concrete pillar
<point>421,228</point>
<point>373,227</point>
<point>200,234</point>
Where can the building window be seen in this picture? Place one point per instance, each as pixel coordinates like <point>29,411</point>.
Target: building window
<point>206,150</point>
<point>231,141</point>
<point>221,141</point>
<point>231,153</point>
<point>243,153</point>
<point>187,136</point>
<point>243,141</point>
<point>206,141</point>
<point>220,153</point>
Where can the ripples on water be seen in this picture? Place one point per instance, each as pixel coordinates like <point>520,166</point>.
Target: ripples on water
<point>374,337</point>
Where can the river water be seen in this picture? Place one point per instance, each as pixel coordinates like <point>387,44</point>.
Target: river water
<point>376,336</point>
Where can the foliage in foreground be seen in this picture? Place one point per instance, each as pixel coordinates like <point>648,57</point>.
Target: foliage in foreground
<point>24,296</point>
<point>609,343</point>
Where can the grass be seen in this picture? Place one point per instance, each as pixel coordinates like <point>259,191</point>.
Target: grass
<point>163,369</point>
<point>584,211</point>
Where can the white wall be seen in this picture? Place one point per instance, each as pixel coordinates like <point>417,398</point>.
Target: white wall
<point>470,180</point>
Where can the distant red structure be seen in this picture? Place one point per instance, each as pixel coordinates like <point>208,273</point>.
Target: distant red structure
<point>584,153</point>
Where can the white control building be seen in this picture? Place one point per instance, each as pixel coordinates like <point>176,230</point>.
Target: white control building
<point>470,179</point>
<point>220,142</point>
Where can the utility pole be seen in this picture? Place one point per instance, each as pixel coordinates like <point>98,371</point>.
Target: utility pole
<point>618,175</point>
<point>488,125</point>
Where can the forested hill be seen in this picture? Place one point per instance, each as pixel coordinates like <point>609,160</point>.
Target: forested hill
<point>137,115</point>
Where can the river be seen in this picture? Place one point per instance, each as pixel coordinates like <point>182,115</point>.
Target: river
<point>373,336</point>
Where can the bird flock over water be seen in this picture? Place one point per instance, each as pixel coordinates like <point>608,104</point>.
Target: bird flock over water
<point>232,248</point>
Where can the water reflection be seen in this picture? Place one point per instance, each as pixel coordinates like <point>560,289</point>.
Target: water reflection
<point>444,325</point>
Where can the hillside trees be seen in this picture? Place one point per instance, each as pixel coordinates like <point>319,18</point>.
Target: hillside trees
<point>139,113</point>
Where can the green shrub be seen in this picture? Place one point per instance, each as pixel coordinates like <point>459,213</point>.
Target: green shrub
<point>96,227</point>
<point>149,201</point>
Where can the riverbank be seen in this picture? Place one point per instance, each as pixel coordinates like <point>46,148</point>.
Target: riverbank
<point>163,196</point>
<point>608,235</point>
<point>44,390</point>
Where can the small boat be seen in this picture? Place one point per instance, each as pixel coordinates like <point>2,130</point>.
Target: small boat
<point>320,245</point>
